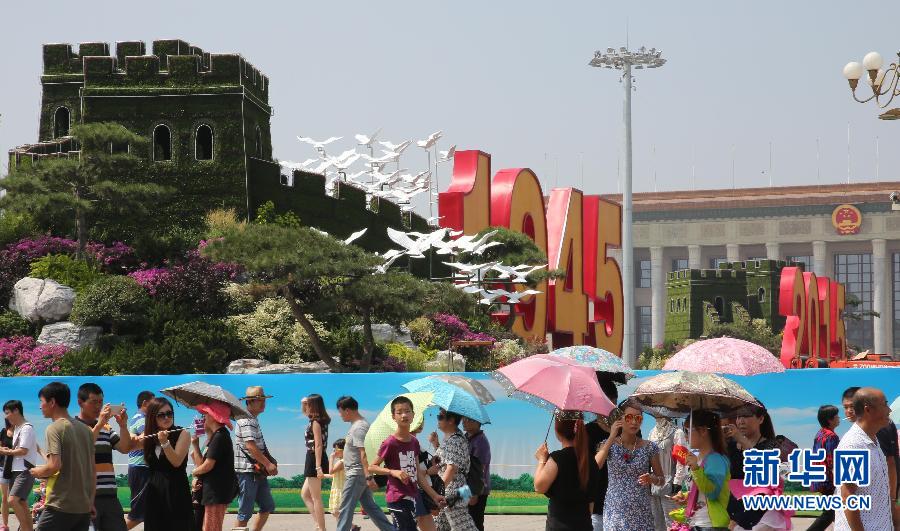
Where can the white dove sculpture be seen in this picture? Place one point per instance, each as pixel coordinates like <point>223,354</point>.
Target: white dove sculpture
<point>355,236</point>
<point>431,140</point>
<point>367,140</point>
<point>318,144</point>
<point>448,155</point>
<point>396,148</point>
<point>516,296</point>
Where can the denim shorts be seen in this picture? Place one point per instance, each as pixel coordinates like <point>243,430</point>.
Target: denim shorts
<point>255,490</point>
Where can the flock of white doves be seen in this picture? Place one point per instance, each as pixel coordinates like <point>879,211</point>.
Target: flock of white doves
<point>378,181</point>
<point>468,277</point>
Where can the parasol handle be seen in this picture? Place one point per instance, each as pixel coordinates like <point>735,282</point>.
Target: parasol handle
<point>142,437</point>
<point>549,426</point>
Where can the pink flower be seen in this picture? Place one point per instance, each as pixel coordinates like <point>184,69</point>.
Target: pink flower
<point>28,358</point>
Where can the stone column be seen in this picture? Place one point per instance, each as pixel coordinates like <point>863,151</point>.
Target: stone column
<point>880,295</point>
<point>733,252</point>
<point>773,251</point>
<point>694,257</point>
<point>820,258</point>
<point>616,254</point>
<point>657,296</point>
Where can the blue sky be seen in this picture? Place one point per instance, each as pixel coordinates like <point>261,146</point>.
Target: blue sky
<point>516,430</point>
<point>511,78</point>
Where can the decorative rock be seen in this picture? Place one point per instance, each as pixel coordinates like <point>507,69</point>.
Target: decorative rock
<point>443,362</point>
<point>251,366</point>
<point>70,335</point>
<point>287,368</point>
<point>385,333</point>
<point>246,366</point>
<point>42,300</point>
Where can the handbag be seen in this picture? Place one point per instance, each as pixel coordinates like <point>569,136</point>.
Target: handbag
<point>258,468</point>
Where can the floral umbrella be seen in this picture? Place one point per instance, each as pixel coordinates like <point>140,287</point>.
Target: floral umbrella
<point>554,383</point>
<point>469,385</point>
<point>680,393</point>
<point>598,359</point>
<point>724,355</point>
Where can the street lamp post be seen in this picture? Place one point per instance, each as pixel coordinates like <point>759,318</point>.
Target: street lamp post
<point>625,60</point>
<point>884,83</point>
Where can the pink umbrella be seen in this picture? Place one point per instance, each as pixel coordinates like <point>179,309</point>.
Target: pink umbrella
<point>554,383</point>
<point>724,355</point>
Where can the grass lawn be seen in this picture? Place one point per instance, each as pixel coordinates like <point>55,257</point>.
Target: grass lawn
<point>499,502</point>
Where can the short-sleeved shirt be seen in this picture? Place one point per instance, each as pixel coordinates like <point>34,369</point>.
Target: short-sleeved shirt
<point>569,505</point>
<point>480,447</point>
<point>596,435</point>
<point>356,439</point>
<point>454,450</point>
<point>887,439</point>
<point>826,440</point>
<point>246,430</point>
<point>401,455</point>
<point>69,490</point>
<point>219,483</point>
<point>24,437</point>
<point>879,517</point>
<point>103,457</point>
<point>136,427</point>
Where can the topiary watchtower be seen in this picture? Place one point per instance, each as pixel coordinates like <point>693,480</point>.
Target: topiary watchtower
<point>207,115</point>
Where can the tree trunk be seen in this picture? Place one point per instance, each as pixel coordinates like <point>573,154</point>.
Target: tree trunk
<point>80,229</point>
<point>310,330</point>
<point>368,342</point>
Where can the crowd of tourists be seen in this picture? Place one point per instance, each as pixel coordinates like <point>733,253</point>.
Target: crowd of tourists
<point>429,486</point>
<point>606,476</point>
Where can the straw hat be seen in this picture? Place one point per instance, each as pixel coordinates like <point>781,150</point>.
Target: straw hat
<point>255,391</point>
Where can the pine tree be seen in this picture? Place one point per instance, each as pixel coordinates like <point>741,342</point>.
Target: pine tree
<point>102,181</point>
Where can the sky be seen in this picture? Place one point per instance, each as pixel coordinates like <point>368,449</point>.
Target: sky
<point>511,79</point>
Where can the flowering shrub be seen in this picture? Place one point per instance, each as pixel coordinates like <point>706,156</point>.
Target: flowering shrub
<point>508,351</point>
<point>151,279</point>
<point>21,355</point>
<point>195,283</point>
<point>16,258</point>
<point>446,328</point>
<point>271,332</point>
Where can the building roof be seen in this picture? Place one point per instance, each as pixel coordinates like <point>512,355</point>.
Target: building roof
<point>759,202</point>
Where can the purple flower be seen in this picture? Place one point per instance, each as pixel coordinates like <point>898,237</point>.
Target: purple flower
<point>28,358</point>
<point>196,282</point>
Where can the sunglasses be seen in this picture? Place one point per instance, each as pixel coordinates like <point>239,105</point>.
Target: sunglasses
<point>633,418</point>
<point>165,415</point>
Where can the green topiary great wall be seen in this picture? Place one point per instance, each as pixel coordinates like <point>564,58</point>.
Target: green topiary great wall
<point>207,118</point>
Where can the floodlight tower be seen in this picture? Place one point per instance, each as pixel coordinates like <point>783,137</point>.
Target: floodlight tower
<point>626,60</point>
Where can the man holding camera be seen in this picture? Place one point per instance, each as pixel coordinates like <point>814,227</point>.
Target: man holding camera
<point>95,415</point>
<point>253,463</point>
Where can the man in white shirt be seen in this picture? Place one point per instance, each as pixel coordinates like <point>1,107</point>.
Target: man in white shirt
<point>24,455</point>
<point>872,413</point>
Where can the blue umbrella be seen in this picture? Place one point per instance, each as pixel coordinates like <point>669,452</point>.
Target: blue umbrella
<point>451,398</point>
<point>598,359</point>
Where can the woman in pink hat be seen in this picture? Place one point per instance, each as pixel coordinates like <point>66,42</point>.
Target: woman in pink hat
<point>216,467</point>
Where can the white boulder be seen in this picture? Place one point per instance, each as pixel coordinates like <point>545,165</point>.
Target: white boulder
<point>70,335</point>
<point>42,300</point>
<point>443,362</point>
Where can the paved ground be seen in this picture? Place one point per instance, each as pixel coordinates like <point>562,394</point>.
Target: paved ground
<point>294,522</point>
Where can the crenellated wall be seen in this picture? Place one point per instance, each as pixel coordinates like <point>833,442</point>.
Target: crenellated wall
<point>172,63</point>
